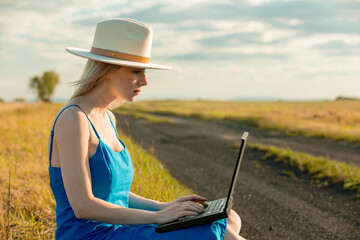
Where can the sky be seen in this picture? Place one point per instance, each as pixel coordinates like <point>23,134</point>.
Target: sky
<point>219,49</point>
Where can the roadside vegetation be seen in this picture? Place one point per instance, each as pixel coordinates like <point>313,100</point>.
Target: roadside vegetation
<point>27,206</point>
<point>338,120</point>
<point>143,115</point>
<point>318,167</point>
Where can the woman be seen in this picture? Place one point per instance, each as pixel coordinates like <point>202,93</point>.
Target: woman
<point>90,167</point>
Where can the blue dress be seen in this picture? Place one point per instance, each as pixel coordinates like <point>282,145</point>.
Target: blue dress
<point>111,177</point>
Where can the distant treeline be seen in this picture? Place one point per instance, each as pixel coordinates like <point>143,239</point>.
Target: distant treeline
<point>15,100</point>
<point>342,98</point>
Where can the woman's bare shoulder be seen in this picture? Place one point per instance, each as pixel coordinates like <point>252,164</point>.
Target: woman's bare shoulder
<point>71,121</point>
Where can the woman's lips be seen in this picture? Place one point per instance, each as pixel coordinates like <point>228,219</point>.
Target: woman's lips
<point>137,92</point>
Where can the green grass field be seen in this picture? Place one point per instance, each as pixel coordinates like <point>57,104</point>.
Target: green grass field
<point>27,206</point>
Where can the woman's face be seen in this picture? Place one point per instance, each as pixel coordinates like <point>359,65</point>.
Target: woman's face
<point>126,82</point>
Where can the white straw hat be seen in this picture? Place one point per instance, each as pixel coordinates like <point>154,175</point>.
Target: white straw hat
<point>124,42</point>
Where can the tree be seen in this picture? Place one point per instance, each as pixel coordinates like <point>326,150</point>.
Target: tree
<point>346,98</point>
<point>45,85</point>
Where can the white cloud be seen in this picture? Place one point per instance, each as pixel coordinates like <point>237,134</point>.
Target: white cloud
<point>252,26</point>
<point>294,21</point>
<point>13,40</point>
<point>177,6</point>
<point>276,34</point>
<point>257,2</point>
<point>45,28</point>
<point>319,39</point>
<point>187,41</point>
<point>54,56</point>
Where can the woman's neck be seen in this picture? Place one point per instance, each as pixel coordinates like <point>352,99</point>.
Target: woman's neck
<point>97,100</point>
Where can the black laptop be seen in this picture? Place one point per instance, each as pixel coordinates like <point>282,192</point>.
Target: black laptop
<point>217,209</point>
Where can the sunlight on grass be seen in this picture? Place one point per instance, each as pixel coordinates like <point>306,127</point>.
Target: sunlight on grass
<point>319,167</point>
<point>151,179</point>
<point>146,116</point>
<point>27,206</point>
<point>338,120</point>
<point>27,212</point>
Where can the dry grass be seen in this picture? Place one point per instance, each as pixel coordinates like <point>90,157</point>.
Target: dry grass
<point>11,106</point>
<point>151,179</point>
<point>26,201</point>
<point>339,120</point>
<point>27,206</point>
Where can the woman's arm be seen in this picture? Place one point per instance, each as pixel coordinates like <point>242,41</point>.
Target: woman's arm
<point>136,201</point>
<point>72,134</point>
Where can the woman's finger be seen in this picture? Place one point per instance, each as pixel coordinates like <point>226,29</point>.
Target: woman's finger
<point>200,198</point>
<point>197,198</point>
<point>201,204</point>
<point>192,207</point>
<point>186,213</point>
<point>204,203</point>
<point>193,198</point>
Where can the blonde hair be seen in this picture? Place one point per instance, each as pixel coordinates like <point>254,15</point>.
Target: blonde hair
<point>92,77</point>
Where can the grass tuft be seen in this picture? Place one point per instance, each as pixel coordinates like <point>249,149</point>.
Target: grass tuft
<point>318,167</point>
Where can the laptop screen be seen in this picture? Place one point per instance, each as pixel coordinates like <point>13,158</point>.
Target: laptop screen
<point>237,167</point>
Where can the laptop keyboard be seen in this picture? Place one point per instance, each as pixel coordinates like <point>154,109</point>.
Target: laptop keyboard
<point>213,207</point>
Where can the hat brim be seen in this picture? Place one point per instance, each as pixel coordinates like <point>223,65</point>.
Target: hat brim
<point>87,54</point>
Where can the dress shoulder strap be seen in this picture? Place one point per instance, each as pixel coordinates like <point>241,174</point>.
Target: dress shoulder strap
<point>53,127</point>
<point>113,125</point>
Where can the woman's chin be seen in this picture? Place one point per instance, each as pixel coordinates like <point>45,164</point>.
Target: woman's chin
<point>131,99</point>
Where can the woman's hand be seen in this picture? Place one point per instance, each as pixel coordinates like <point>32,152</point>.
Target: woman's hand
<point>183,206</point>
<point>177,210</point>
<point>194,198</point>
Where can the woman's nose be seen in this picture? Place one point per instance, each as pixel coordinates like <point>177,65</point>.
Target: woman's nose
<point>143,80</point>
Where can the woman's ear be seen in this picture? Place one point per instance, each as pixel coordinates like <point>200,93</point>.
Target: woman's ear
<point>109,75</point>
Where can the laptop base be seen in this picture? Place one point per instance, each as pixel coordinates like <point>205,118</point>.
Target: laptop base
<point>206,217</point>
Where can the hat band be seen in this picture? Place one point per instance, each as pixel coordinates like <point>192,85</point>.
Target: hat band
<point>119,55</point>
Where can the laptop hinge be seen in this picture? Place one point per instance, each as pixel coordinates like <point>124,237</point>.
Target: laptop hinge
<point>230,205</point>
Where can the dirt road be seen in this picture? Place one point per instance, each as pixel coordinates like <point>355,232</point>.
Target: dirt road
<point>272,203</point>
